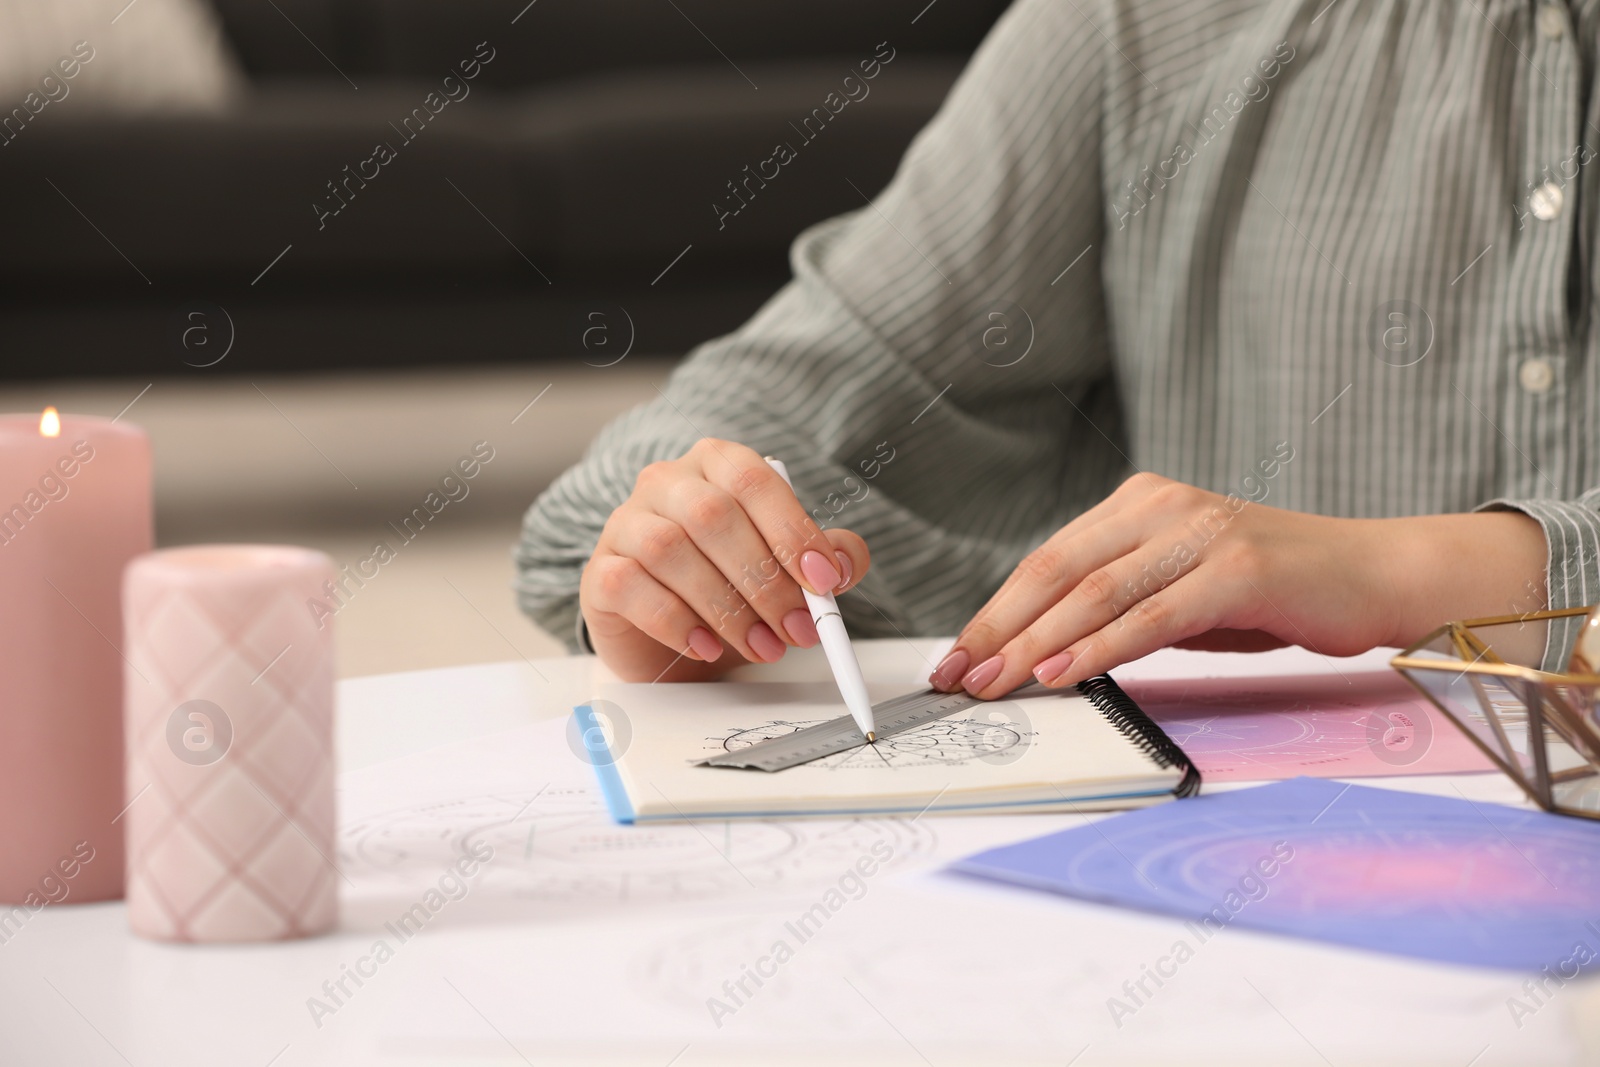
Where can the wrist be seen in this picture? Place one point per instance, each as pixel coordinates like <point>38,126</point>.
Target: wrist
<point>1436,568</point>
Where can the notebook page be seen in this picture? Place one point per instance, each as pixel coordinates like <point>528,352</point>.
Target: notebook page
<point>1035,748</point>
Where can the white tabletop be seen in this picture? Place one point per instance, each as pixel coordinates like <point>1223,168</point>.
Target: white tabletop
<point>76,988</point>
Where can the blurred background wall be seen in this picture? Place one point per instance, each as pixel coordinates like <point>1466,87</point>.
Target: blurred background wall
<point>320,249</point>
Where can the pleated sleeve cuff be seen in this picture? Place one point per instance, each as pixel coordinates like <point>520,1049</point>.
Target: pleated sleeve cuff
<point>1572,570</point>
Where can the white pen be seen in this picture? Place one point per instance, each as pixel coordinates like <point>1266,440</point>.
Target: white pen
<point>836,645</point>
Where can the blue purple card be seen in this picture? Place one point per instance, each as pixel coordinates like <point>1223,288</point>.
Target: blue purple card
<point>1434,877</point>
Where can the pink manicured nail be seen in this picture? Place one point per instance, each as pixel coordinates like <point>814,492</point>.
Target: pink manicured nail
<point>704,643</point>
<point>984,673</point>
<point>947,675</point>
<point>1054,667</point>
<point>764,643</point>
<point>845,570</point>
<point>819,572</point>
<point>800,627</point>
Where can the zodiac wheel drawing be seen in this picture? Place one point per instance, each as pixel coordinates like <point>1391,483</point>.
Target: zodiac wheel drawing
<point>558,844</point>
<point>940,743</point>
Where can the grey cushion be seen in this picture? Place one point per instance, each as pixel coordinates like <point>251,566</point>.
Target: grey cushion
<point>639,160</point>
<point>194,194</point>
<point>556,40</point>
<point>559,39</point>
<point>611,173</point>
<point>283,37</point>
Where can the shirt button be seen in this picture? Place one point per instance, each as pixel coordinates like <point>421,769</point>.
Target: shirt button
<point>1536,375</point>
<point>1546,201</point>
<point>1551,24</point>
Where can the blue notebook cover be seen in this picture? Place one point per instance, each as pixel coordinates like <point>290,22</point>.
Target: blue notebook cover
<point>586,729</point>
<point>1438,878</point>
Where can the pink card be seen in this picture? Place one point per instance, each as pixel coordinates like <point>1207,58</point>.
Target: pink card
<point>1355,725</point>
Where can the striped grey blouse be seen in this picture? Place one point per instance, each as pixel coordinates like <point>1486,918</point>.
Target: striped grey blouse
<point>1182,236</point>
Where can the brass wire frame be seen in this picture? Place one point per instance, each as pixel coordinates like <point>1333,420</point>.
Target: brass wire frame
<point>1543,696</point>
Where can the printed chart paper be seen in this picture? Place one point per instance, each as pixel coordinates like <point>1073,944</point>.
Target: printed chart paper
<point>1350,725</point>
<point>1424,876</point>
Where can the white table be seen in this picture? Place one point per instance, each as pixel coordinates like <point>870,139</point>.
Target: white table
<point>76,988</point>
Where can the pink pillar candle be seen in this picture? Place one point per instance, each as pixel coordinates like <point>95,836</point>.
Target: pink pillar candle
<point>230,745</point>
<point>74,508</point>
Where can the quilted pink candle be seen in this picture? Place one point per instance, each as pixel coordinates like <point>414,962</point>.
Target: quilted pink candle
<point>230,744</point>
<point>74,508</point>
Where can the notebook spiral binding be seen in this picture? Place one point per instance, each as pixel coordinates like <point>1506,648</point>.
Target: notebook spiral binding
<point>1117,706</point>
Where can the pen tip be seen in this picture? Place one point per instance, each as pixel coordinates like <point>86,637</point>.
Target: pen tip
<point>872,738</point>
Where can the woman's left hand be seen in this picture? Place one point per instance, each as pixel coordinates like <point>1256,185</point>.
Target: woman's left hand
<point>1160,563</point>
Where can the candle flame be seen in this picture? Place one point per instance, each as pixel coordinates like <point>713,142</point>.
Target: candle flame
<point>50,423</point>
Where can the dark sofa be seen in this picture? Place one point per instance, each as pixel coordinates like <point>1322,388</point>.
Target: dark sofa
<point>596,141</point>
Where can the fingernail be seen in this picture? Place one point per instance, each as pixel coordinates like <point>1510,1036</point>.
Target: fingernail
<point>984,673</point>
<point>764,643</point>
<point>1054,667</point>
<point>704,643</point>
<point>800,627</point>
<point>845,570</point>
<point>819,572</point>
<point>947,675</point>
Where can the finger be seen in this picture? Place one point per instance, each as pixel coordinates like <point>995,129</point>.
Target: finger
<point>1045,576</point>
<point>850,549</point>
<point>1133,490</point>
<point>795,540</point>
<point>621,594</point>
<point>673,559</point>
<point>1126,585</point>
<point>725,536</point>
<point>1171,615</point>
<point>1143,496</point>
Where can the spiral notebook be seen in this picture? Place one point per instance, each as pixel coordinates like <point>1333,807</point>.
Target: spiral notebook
<point>1039,750</point>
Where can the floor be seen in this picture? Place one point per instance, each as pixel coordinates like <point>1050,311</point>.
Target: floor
<point>329,461</point>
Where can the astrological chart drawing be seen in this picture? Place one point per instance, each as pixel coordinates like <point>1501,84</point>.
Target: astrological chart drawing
<point>559,844</point>
<point>1291,736</point>
<point>1419,875</point>
<point>1028,994</point>
<point>1267,728</point>
<point>940,743</point>
<point>1457,867</point>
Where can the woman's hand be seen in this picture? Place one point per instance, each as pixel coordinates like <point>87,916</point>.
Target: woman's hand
<point>1160,563</point>
<point>709,551</point>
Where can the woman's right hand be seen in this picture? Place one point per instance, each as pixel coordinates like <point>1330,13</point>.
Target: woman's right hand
<point>709,552</point>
